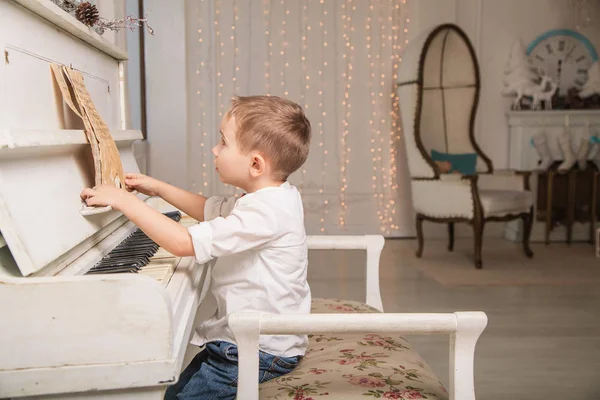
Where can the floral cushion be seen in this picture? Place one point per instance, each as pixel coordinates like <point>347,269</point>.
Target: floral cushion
<point>356,366</point>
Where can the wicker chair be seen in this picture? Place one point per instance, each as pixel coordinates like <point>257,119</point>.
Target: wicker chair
<point>438,88</point>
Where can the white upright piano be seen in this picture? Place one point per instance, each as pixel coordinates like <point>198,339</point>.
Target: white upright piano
<point>71,326</point>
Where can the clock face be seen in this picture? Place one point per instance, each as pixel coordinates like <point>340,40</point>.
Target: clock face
<point>563,55</point>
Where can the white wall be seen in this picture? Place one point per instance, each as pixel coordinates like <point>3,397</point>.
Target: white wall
<point>166,91</point>
<point>133,71</point>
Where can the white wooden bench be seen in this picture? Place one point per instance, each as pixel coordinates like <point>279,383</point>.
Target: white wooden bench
<point>355,349</point>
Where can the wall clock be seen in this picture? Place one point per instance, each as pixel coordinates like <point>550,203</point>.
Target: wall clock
<point>565,56</point>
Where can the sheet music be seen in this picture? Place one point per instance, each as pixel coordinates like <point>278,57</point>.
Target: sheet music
<point>112,170</point>
<point>107,162</point>
<point>60,75</point>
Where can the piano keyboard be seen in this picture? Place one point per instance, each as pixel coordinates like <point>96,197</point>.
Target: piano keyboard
<point>139,254</point>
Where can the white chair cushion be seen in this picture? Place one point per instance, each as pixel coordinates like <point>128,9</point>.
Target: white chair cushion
<point>503,202</point>
<point>356,366</point>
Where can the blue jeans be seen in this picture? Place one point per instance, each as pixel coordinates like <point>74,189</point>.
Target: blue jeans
<point>213,373</point>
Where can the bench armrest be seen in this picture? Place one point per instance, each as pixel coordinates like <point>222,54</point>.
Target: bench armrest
<point>373,244</point>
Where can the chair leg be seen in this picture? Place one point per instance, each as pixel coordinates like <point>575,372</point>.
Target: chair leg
<point>450,236</point>
<point>420,235</point>
<point>478,225</point>
<point>527,225</point>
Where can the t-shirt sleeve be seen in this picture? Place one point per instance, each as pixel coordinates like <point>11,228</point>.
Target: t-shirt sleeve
<point>246,227</point>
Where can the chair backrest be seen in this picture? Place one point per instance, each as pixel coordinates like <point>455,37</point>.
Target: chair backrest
<point>438,87</point>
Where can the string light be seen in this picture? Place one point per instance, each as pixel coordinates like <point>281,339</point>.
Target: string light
<point>305,77</point>
<point>202,65</point>
<point>383,180</point>
<point>385,38</point>
<point>390,207</point>
<point>284,47</point>
<point>396,129</point>
<point>405,30</point>
<point>345,150</point>
<point>375,180</point>
<point>267,26</point>
<point>219,57</point>
<point>234,190</point>
<point>401,15</point>
<point>383,216</point>
<point>233,38</point>
<point>219,68</point>
<point>322,115</point>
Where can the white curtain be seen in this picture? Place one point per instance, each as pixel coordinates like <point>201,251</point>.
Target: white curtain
<point>337,59</point>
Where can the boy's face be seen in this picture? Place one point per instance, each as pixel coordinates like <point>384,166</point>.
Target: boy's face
<point>232,166</point>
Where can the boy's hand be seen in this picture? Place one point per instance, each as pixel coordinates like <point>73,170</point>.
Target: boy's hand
<point>106,195</point>
<point>142,183</point>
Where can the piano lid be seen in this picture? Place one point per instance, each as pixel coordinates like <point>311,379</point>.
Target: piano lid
<point>42,174</point>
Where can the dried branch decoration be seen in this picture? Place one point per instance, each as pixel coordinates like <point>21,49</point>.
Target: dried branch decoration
<point>87,13</point>
<point>129,22</point>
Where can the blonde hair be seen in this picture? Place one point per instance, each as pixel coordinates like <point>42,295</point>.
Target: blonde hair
<point>275,127</point>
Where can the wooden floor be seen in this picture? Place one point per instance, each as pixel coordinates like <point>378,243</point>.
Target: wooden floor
<point>542,342</point>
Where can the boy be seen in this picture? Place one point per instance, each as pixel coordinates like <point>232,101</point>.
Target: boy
<point>259,239</point>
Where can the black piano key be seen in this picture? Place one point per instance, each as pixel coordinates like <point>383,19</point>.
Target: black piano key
<point>123,262</point>
<point>134,245</point>
<point>175,215</point>
<point>133,253</point>
<point>149,251</point>
<point>137,240</point>
<point>127,256</point>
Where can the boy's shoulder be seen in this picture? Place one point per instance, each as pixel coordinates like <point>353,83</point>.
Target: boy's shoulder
<point>273,194</point>
<point>281,202</point>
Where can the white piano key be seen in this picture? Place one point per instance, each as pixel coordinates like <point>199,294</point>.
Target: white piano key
<point>162,253</point>
<point>87,210</point>
<point>160,271</point>
<point>187,221</point>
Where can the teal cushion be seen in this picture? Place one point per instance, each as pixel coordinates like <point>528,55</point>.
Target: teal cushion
<point>463,163</point>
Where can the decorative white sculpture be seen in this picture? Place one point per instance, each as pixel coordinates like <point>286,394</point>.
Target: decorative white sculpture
<point>543,96</point>
<point>592,86</point>
<point>519,76</point>
<point>519,68</point>
<point>520,79</point>
<point>537,91</point>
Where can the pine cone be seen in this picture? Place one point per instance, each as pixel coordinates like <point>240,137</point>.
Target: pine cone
<point>87,14</point>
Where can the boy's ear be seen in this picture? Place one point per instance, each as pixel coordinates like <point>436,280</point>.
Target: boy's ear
<point>257,165</point>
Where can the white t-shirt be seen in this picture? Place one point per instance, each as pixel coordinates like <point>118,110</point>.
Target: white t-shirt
<point>262,253</point>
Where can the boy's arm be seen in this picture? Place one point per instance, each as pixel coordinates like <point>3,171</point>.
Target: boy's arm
<point>190,203</point>
<point>167,233</point>
<point>247,227</point>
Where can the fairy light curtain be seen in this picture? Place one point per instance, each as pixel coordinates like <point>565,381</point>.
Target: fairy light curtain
<point>336,58</point>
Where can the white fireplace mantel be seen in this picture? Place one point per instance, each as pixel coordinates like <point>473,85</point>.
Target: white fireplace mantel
<point>522,127</point>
